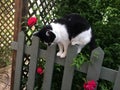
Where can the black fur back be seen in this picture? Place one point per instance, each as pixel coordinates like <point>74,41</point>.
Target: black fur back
<point>75,24</point>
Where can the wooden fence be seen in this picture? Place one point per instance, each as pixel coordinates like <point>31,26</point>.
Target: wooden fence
<point>94,71</point>
<point>28,8</point>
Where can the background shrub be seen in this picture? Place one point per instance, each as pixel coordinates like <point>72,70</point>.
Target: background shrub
<point>104,17</point>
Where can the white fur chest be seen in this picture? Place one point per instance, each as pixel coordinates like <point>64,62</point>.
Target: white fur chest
<point>60,31</point>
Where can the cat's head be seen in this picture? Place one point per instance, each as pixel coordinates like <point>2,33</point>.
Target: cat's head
<point>46,35</point>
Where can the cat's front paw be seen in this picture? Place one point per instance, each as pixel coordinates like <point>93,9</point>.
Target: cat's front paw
<point>59,53</point>
<point>62,55</point>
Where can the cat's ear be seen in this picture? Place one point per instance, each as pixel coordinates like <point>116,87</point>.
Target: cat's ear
<point>47,33</point>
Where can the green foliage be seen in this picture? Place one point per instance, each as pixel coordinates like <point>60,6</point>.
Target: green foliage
<point>105,85</point>
<point>5,54</point>
<point>104,17</point>
<point>79,60</point>
<point>78,80</point>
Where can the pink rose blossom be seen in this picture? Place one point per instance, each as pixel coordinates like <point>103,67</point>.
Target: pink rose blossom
<point>31,21</point>
<point>40,70</point>
<point>90,85</point>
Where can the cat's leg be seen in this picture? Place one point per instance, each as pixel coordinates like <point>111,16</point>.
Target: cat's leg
<point>79,48</point>
<point>65,46</point>
<point>75,42</point>
<point>79,43</point>
<point>60,49</point>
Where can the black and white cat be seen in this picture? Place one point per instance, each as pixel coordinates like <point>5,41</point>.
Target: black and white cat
<point>71,29</point>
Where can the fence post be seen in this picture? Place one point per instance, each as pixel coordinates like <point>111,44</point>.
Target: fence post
<point>94,67</point>
<point>33,61</point>
<point>68,68</point>
<point>20,11</point>
<point>19,60</point>
<point>16,30</point>
<point>49,66</point>
<point>117,81</point>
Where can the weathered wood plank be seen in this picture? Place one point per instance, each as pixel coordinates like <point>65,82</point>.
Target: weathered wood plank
<point>17,28</point>
<point>104,71</point>
<point>94,68</point>
<point>68,68</point>
<point>108,74</point>
<point>117,81</point>
<point>49,66</point>
<point>28,49</point>
<point>83,68</point>
<point>19,61</point>
<point>60,61</point>
<point>33,62</point>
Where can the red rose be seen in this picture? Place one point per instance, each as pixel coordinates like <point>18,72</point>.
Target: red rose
<point>39,70</point>
<point>31,21</point>
<point>90,85</point>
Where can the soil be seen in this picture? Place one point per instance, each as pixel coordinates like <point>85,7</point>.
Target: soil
<point>5,77</point>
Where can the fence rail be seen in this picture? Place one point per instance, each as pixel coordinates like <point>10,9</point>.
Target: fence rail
<point>94,71</point>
